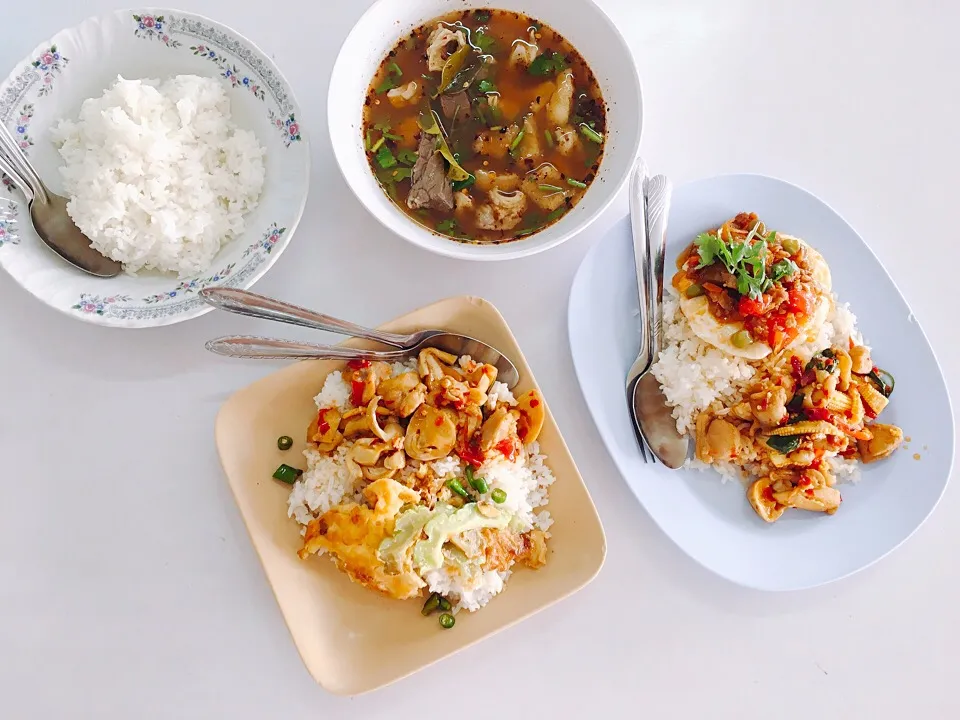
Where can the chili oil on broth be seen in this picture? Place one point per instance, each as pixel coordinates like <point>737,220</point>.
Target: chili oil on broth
<point>504,98</point>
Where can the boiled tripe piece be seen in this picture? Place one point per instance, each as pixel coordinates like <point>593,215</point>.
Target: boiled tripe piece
<point>719,334</point>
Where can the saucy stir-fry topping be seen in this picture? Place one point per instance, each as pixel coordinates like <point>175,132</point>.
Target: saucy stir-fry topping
<point>764,280</point>
<point>484,125</point>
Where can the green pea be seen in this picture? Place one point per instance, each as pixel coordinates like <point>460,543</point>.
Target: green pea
<point>284,442</point>
<point>447,621</point>
<point>693,291</point>
<point>499,495</point>
<point>741,339</point>
<point>790,244</point>
<point>432,603</point>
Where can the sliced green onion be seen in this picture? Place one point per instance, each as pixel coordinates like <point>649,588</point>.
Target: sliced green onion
<point>447,621</point>
<point>379,143</point>
<point>576,183</point>
<point>287,474</point>
<point>394,69</point>
<point>558,213</point>
<point>458,488</point>
<point>549,188</point>
<point>549,136</point>
<point>369,137</point>
<point>591,134</point>
<point>498,495</point>
<point>284,442</point>
<point>516,140</point>
<point>432,603</point>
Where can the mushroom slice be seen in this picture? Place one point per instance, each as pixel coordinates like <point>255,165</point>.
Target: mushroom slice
<point>377,473</point>
<point>431,434</point>
<point>762,499</point>
<point>816,499</point>
<point>431,361</point>
<point>372,419</point>
<point>531,409</point>
<point>366,451</point>
<point>397,460</point>
<point>500,426</point>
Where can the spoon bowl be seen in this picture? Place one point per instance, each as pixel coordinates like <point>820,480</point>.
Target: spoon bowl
<point>48,212</point>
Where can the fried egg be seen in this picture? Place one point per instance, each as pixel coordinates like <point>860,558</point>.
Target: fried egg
<point>720,334</point>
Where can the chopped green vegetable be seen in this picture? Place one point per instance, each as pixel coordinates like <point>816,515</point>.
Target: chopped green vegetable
<point>824,360</point>
<point>556,214</point>
<point>378,144</point>
<point>549,138</point>
<point>478,484</point>
<point>784,443</point>
<point>369,137</point>
<point>782,269</point>
<point>455,484</point>
<point>452,66</point>
<point>284,442</point>
<point>385,157</point>
<point>463,184</point>
<point>487,44</point>
<point>482,16</point>
<point>390,136</point>
<point>444,604</point>
<point>388,83</point>
<point>790,244</point>
<point>883,380</point>
<point>401,173</point>
<point>516,140</point>
<point>547,63</point>
<point>590,134</point>
<point>407,157</point>
<point>432,603</point>
<point>693,291</point>
<point>383,126</point>
<point>394,73</point>
<point>394,70</point>
<point>485,86</point>
<point>498,495</point>
<point>744,260</point>
<point>447,621</point>
<point>576,183</point>
<point>549,188</point>
<point>741,339</point>
<point>287,474</point>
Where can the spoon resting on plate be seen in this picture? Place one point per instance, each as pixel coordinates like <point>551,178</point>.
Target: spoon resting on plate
<point>250,304</point>
<point>48,211</point>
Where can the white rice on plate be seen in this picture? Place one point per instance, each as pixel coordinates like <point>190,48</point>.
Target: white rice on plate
<point>157,173</point>
<point>693,374</point>
<point>327,482</point>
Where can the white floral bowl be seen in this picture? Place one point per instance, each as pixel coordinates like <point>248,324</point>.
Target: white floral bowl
<point>82,62</point>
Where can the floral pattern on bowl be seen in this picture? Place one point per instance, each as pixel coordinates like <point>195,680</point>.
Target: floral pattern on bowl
<point>171,42</point>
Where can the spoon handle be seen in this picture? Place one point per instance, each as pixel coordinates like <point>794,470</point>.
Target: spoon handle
<point>8,169</point>
<point>658,191</point>
<point>641,254</point>
<point>243,302</point>
<point>18,160</point>
<point>263,348</point>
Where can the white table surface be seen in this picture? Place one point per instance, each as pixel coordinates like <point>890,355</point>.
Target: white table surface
<point>129,588</point>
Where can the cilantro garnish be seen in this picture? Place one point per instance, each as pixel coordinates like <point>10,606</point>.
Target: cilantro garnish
<point>745,260</point>
<point>547,63</point>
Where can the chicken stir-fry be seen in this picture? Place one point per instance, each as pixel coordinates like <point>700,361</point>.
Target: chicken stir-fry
<point>798,414</point>
<point>411,517</point>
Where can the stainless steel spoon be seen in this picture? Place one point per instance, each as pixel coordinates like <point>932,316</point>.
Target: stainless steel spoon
<point>244,346</point>
<point>48,212</point>
<point>651,414</point>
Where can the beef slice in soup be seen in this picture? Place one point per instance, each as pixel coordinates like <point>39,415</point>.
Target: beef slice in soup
<point>429,186</point>
<point>485,126</point>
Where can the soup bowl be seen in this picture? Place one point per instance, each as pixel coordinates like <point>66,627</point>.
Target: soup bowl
<point>581,22</point>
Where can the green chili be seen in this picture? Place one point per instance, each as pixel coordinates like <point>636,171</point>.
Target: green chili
<point>284,442</point>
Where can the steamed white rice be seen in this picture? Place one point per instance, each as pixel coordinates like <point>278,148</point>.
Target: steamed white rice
<point>158,175</point>
<point>526,480</point>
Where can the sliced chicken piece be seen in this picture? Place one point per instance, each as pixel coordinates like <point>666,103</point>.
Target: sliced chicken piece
<point>523,52</point>
<point>567,140</point>
<point>815,499</point>
<point>886,439</point>
<point>487,180</point>
<point>529,147</point>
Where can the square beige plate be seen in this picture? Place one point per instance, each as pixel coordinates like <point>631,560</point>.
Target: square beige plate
<point>351,639</point>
